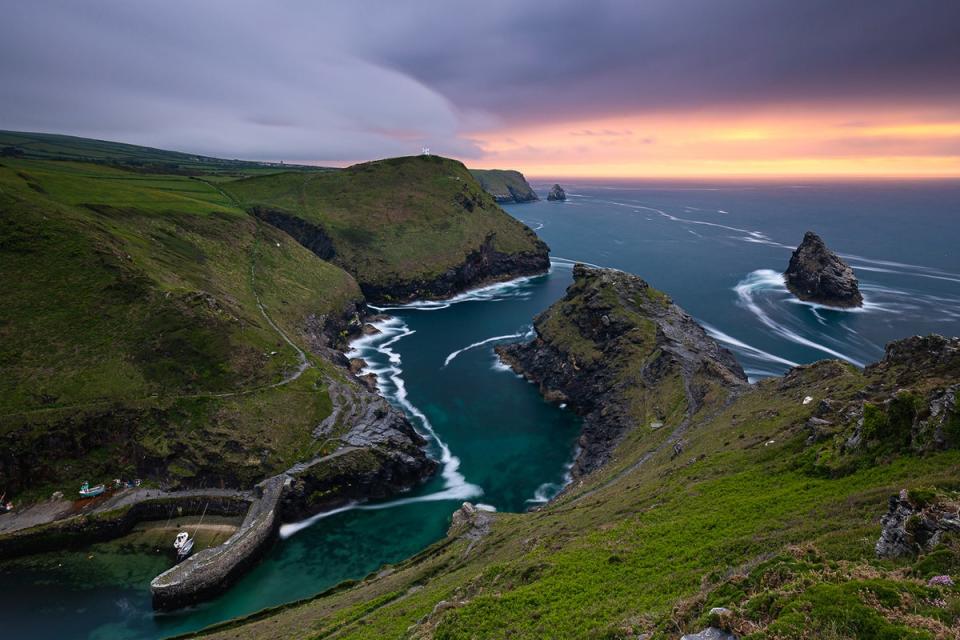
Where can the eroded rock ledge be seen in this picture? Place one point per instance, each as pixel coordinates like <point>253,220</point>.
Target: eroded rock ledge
<point>623,356</point>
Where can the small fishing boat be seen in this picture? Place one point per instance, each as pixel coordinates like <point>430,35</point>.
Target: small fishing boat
<point>86,491</point>
<point>183,545</point>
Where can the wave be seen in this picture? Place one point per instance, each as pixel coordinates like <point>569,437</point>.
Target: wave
<point>453,355</point>
<point>391,385</point>
<point>516,288</point>
<point>767,279</point>
<point>567,263</point>
<point>452,493</point>
<point>549,490</point>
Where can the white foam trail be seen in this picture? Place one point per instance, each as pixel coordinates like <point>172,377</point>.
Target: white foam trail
<point>480,344</point>
<point>769,279</point>
<point>515,288</point>
<point>455,493</point>
<point>759,354</point>
<point>549,490</point>
<point>567,263</point>
<point>391,385</point>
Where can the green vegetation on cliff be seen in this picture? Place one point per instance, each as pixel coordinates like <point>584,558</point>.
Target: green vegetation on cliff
<point>722,507</point>
<point>505,185</point>
<point>132,338</point>
<point>418,226</point>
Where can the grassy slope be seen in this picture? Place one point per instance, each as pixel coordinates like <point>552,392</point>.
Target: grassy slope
<point>745,518</point>
<point>503,184</point>
<point>393,220</point>
<point>128,307</point>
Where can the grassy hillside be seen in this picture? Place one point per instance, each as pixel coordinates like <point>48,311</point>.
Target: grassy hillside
<point>770,508</point>
<point>131,339</point>
<point>50,146</point>
<point>402,225</point>
<point>505,185</point>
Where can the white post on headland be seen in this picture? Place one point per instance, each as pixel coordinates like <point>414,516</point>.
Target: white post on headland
<point>425,151</point>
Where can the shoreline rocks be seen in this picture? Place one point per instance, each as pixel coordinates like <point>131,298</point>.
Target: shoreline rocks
<point>816,274</point>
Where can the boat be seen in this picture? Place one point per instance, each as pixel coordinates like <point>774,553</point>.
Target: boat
<point>183,545</point>
<point>86,491</point>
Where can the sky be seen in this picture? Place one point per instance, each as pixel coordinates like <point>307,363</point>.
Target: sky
<point>606,88</point>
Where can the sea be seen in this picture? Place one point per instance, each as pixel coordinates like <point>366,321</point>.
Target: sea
<point>718,250</point>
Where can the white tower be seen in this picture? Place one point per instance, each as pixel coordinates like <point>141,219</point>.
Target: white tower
<point>425,151</point>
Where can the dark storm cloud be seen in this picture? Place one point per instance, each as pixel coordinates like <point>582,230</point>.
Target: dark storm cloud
<point>344,81</point>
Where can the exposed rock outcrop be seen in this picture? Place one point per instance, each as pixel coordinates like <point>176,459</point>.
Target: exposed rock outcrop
<point>914,524</point>
<point>481,266</point>
<point>622,355</point>
<point>816,274</point>
<point>505,185</point>
<point>557,193</point>
<point>710,633</point>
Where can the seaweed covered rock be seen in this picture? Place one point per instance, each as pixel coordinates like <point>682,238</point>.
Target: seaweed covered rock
<point>816,274</point>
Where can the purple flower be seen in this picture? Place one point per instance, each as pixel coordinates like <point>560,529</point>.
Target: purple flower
<point>940,581</point>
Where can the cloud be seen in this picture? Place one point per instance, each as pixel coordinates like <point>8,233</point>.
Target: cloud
<point>189,76</point>
<point>341,82</point>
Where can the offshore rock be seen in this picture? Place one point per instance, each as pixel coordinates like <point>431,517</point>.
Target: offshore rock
<point>622,355</point>
<point>816,274</point>
<point>557,193</point>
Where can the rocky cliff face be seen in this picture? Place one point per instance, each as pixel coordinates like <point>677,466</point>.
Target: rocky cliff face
<point>505,185</point>
<point>622,355</point>
<point>481,266</point>
<point>816,274</point>
<point>557,193</point>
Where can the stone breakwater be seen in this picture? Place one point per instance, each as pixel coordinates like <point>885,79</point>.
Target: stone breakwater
<point>212,570</point>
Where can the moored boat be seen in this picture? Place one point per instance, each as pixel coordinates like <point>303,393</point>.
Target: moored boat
<point>86,491</point>
<point>183,544</point>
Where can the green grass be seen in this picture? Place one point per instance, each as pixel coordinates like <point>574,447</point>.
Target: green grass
<point>393,221</point>
<point>130,334</point>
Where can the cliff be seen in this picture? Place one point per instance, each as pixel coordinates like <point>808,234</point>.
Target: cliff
<point>816,274</point>
<point>609,332</point>
<point>157,330</point>
<point>505,185</point>
<point>405,228</point>
<point>751,511</point>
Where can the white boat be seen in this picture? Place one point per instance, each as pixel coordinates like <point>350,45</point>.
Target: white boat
<point>183,544</point>
<point>86,491</point>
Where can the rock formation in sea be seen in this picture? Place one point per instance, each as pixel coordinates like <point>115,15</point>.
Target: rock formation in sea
<point>816,274</point>
<point>557,193</point>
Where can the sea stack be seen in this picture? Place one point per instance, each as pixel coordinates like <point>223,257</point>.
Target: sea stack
<point>556,193</point>
<point>817,274</point>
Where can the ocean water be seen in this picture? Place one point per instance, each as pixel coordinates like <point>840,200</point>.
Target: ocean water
<point>717,249</point>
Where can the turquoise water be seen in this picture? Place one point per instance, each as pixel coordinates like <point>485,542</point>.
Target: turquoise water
<point>716,249</point>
